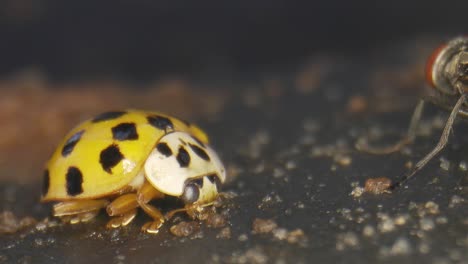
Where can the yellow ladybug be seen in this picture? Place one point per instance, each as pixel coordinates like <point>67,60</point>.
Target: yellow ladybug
<point>131,157</point>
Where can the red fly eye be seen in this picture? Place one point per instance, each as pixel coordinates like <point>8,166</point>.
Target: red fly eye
<point>431,64</point>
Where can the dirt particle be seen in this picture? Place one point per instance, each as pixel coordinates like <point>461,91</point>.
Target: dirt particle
<point>343,160</point>
<point>386,225</point>
<point>347,240</point>
<point>263,226</point>
<point>431,207</point>
<point>357,191</point>
<point>400,247</point>
<point>243,237</point>
<point>296,236</point>
<point>269,201</point>
<point>225,233</point>
<point>401,219</point>
<point>184,229</point>
<point>216,220</point>
<point>38,242</point>
<point>424,248</point>
<point>290,165</point>
<point>10,224</point>
<point>444,164</point>
<point>426,224</point>
<point>456,200</point>
<point>377,185</point>
<point>463,165</point>
<point>280,233</point>
<point>441,220</point>
<point>368,231</point>
<point>254,255</point>
<point>278,173</point>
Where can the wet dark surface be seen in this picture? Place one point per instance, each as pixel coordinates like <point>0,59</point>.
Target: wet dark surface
<point>291,159</point>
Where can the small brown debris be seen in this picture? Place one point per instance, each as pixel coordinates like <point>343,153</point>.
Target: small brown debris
<point>377,185</point>
<point>263,226</point>
<point>184,229</point>
<point>347,240</point>
<point>296,236</point>
<point>357,191</point>
<point>343,160</point>
<point>243,237</point>
<point>216,220</point>
<point>368,231</point>
<point>225,233</point>
<point>10,224</point>
<point>431,207</point>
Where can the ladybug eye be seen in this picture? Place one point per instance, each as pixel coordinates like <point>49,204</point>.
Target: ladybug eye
<point>191,193</point>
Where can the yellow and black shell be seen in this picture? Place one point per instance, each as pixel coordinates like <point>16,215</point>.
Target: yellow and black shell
<point>103,155</point>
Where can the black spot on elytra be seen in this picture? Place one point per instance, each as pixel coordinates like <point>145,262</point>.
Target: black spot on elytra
<point>200,152</point>
<point>183,157</point>
<point>125,131</point>
<point>45,182</point>
<point>74,181</point>
<point>160,122</point>
<point>110,157</point>
<point>108,116</point>
<point>71,143</point>
<point>164,149</point>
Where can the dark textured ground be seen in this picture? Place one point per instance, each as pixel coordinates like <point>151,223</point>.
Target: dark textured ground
<point>291,159</point>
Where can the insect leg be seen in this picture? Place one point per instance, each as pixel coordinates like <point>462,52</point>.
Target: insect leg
<point>440,145</point>
<point>124,210</point>
<point>78,211</point>
<point>362,143</point>
<point>146,194</point>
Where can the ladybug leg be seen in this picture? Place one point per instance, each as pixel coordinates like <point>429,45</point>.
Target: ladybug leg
<point>124,210</point>
<point>363,144</point>
<point>146,194</point>
<point>158,219</point>
<point>194,211</point>
<point>78,211</point>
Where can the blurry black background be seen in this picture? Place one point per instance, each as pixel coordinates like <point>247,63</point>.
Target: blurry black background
<point>140,40</point>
